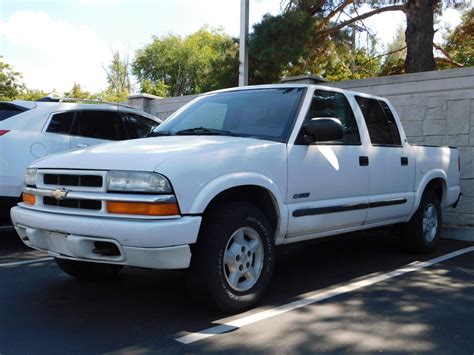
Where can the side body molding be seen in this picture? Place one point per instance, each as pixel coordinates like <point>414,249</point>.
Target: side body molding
<point>228,181</point>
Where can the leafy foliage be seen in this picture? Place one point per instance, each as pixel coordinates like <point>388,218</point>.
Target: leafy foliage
<point>10,82</point>
<point>174,65</point>
<point>289,44</point>
<point>31,95</point>
<point>460,41</point>
<point>118,78</point>
<point>78,93</point>
<point>277,44</point>
<point>394,62</point>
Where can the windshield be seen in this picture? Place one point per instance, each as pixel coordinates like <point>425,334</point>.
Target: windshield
<point>261,113</point>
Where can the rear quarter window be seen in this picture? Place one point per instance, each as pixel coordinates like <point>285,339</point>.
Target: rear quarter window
<point>7,111</point>
<point>61,123</point>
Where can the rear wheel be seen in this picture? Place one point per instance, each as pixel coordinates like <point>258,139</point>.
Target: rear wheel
<point>421,234</point>
<point>86,271</point>
<point>233,261</point>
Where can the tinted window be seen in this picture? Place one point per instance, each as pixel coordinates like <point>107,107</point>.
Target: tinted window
<point>380,121</point>
<point>137,126</point>
<point>209,115</point>
<point>391,123</point>
<point>96,124</point>
<point>61,123</point>
<point>334,104</point>
<point>262,113</point>
<point>7,111</point>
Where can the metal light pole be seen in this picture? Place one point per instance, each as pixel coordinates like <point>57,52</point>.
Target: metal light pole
<point>244,35</point>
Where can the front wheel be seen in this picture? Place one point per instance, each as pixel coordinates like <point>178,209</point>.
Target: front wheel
<point>87,271</point>
<point>421,234</point>
<point>233,261</point>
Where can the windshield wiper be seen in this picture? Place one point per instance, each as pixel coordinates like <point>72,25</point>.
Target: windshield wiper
<point>159,133</point>
<point>203,131</point>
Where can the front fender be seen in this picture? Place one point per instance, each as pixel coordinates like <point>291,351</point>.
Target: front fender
<point>228,181</point>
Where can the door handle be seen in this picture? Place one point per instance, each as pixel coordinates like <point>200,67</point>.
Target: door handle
<point>82,145</point>
<point>404,161</point>
<point>363,160</point>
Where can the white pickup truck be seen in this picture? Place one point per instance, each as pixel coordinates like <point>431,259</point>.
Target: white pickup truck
<point>227,178</point>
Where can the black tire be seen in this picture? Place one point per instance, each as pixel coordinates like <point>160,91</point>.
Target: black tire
<point>86,271</point>
<point>208,277</point>
<point>413,237</point>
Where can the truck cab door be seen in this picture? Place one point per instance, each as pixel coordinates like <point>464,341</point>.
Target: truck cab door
<point>391,163</point>
<point>328,182</point>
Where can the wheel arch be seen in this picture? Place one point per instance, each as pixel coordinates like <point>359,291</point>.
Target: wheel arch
<point>256,188</point>
<point>435,180</point>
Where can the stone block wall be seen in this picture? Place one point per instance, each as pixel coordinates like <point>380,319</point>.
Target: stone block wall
<point>158,106</point>
<point>436,108</point>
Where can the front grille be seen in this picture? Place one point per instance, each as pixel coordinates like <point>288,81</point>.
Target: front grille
<point>73,203</point>
<point>73,180</point>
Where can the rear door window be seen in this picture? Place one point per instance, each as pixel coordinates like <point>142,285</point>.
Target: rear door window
<point>136,126</point>
<point>97,124</point>
<point>61,123</point>
<point>7,111</point>
<point>380,122</point>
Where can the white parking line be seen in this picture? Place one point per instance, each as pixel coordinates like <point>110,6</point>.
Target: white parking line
<point>24,262</point>
<point>238,323</point>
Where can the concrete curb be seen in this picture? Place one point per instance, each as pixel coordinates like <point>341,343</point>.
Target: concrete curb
<point>458,233</point>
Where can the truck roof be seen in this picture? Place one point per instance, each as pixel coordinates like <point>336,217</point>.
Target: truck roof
<point>289,85</point>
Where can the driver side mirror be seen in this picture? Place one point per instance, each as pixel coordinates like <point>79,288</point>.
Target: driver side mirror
<point>323,129</point>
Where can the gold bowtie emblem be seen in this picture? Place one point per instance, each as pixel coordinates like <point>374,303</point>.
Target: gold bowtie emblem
<point>59,194</point>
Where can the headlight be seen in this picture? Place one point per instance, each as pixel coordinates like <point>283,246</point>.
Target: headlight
<point>132,181</point>
<point>30,177</point>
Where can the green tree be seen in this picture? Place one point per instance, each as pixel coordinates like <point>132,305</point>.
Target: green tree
<point>158,88</point>
<point>285,45</point>
<point>118,79</point>
<point>78,93</point>
<point>459,46</point>
<point>394,62</point>
<point>174,65</point>
<point>10,82</point>
<point>420,17</point>
<point>31,95</point>
<point>278,45</point>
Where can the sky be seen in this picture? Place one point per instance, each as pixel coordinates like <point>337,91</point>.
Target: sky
<point>55,43</point>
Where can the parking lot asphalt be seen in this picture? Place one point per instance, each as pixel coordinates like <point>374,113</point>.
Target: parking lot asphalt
<point>373,303</point>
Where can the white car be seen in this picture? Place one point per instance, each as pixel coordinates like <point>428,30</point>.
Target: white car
<point>233,174</point>
<point>32,130</point>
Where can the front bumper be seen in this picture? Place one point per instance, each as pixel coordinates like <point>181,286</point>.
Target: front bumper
<point>156,244</point>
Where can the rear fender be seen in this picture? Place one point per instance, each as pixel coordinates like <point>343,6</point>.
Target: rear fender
<point>429,176</point>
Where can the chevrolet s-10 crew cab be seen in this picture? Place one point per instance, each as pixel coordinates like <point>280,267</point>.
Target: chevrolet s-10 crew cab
<point>227,178</point>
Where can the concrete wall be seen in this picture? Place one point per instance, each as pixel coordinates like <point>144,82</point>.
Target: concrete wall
<point>158,106</point>
<point>436,108</point>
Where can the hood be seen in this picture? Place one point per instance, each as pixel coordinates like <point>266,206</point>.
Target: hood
<point>148,153</point>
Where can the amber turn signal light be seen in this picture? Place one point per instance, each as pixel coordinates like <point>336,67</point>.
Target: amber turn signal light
<point>143,208</point>
<point>29,198</point>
